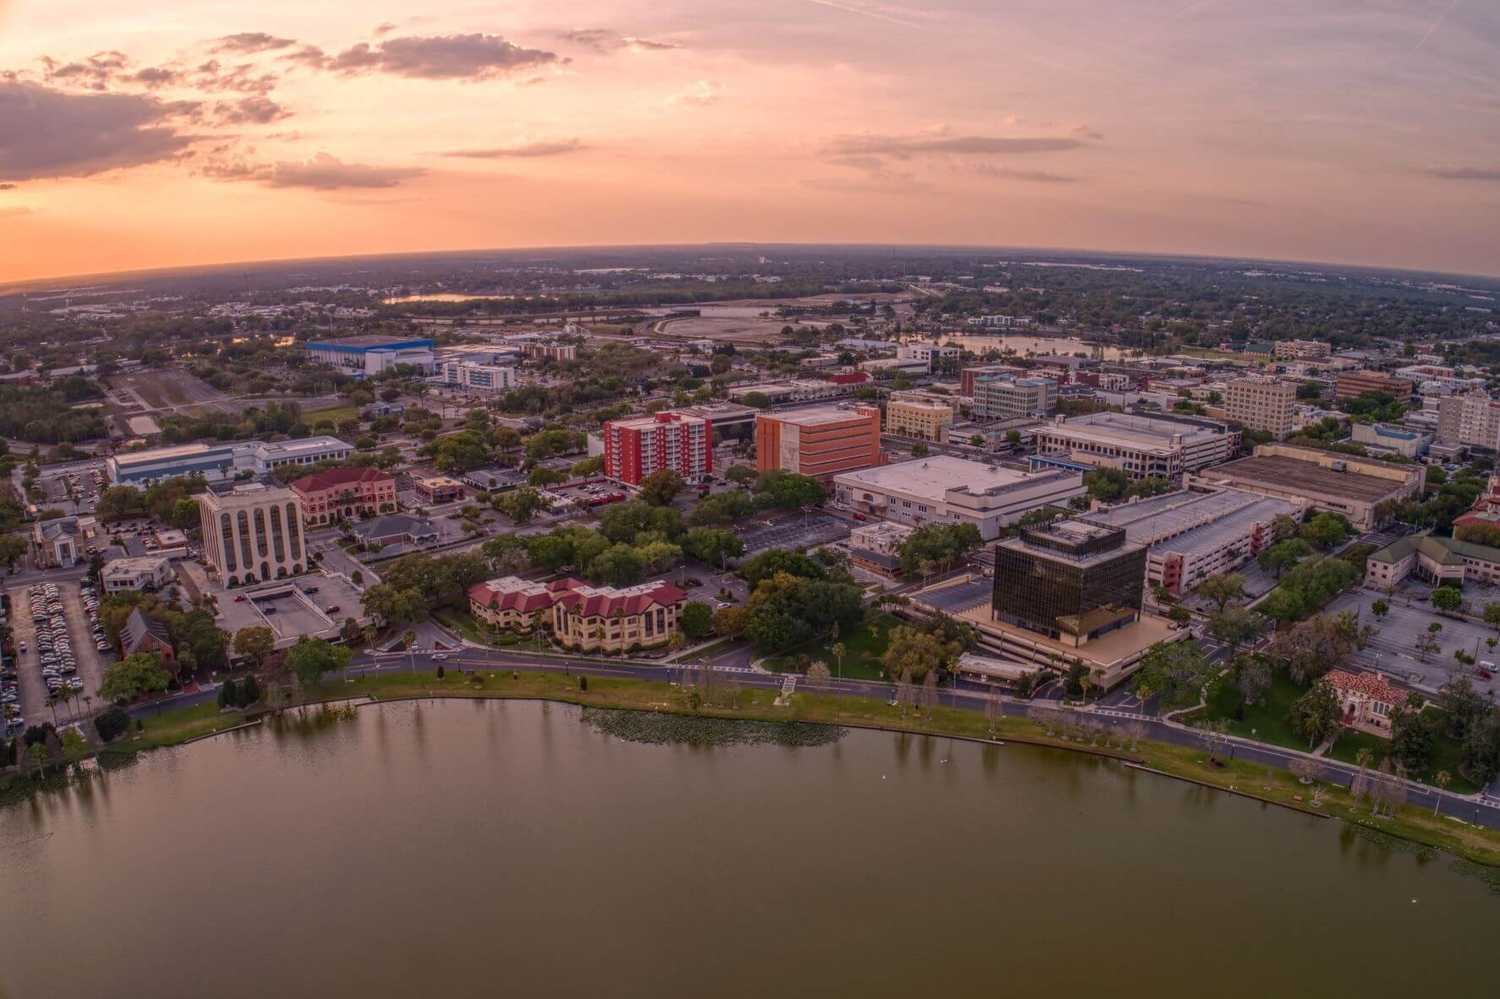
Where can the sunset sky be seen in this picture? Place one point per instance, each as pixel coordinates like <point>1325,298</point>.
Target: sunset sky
<point>144,133</point>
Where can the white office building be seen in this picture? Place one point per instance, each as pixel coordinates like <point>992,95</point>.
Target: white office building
<point>947,490</point>
<point>261,457</point>
<point>1140,446</point>
<point>477,377</point>
<point>931,354</point>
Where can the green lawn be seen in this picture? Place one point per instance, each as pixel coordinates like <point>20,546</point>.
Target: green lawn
<point>1350,742</point>
<point>864,651</point>
<point>337,414</point>
<point>1266,720</point>
<point>1446,754</point>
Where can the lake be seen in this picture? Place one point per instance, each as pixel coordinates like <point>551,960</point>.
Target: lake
<point>491,848</point>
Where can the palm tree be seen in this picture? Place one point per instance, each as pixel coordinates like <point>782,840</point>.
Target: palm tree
<point>1442,780</point>
<point>838,651</point>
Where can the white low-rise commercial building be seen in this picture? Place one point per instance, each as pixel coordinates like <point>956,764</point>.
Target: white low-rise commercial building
<point>149,572</point>
<point>214,462</point>
<point>261,456</point>
<point>948,490</point>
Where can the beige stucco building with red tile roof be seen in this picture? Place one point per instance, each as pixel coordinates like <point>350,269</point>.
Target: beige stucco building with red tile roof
<point>1366,700</point>
<point>580,615</point>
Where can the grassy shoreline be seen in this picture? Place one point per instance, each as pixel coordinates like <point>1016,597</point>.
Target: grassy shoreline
<point>1417,825</point>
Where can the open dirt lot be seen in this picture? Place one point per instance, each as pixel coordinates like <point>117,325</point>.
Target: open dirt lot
<point>167,389</point>
<point>750,329</point>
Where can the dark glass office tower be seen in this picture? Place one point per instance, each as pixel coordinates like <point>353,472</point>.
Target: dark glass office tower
<point>1071,580</point>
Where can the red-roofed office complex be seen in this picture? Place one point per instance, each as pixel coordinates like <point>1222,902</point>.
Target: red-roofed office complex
<point>345,493</point>
<point>638,447</point>
<point>582,616</point>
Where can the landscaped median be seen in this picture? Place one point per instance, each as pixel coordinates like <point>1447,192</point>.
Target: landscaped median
<point>1417,824</point>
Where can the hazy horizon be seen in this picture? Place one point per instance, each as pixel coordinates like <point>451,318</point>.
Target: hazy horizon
<point>180,134</point>
<point>42,283</point>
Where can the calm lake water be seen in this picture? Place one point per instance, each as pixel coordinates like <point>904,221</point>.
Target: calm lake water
<point>483,848</point>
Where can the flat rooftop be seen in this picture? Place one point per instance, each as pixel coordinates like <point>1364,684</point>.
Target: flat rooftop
<point>305,444</point>
<point>372,340</point>
<point>1186,521</point>
<point>1305,476</point>
<point>128,458</point>
<point>1130,430</point>
<point>817,415</point>
<point>932,477</point>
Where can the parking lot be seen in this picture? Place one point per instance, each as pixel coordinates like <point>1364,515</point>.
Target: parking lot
<point>1393,650</point>
<point>288,609</point>
<point>62,643</point>
<point>799,532</point>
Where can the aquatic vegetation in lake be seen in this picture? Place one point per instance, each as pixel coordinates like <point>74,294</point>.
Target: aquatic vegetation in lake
<point>655,728</point>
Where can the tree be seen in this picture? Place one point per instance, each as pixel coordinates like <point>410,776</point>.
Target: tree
<point>133,677</point>
<point>818,673</point>
<point>1234,626</point>
<point>713,546</point>
<point>310,658</point>
<point>1413,734</point>
<point>1283,555</point>
<point>543,476</point>
<point>942,545</point>
<point>1492,615</point>
<point>619,565</point>
<point>1427,642</point>
<point>112,724</point>
<point>1175,671</point>
<point>765,564</point>
<point>12,547</point>
<point>696,620</point>
<point>1315,714</point>
<point>461,452</point>
<point>1325,530</point>
<point>916,653</point>
<point>1252,676</point>
<point>785,490</point>
<point>1447,598</point>
<point>1442,779</point>
<point>838,652</point>
<point>919,450</point>
<point>508,554</point>
<point>660,488</point>
<point>520,505</point>
<point>1316,646</point>
<point>729,622</point>
<point>1106,484</point>
<point>741,474</point>
<point>255,644</point>
<point>1222,589</point>
<point>1380,608</point>
<point>393,605</point>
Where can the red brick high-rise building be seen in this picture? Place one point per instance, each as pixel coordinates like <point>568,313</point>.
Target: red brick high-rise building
<point>638,447</point>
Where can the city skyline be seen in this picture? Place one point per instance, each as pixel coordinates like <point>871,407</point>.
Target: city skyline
<point>205,133</point>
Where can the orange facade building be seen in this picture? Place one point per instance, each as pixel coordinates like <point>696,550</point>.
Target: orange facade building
<point>821,441</point>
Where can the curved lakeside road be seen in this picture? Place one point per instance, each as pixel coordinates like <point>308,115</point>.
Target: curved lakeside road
<point>1478,809</point>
